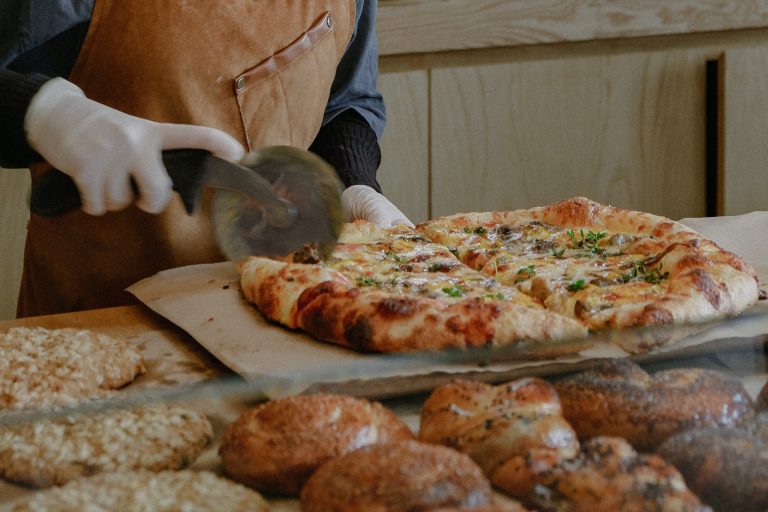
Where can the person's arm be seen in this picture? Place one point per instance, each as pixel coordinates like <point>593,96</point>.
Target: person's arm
<point>353,123</point>
<point>355,116</point>
<point>16,92</point>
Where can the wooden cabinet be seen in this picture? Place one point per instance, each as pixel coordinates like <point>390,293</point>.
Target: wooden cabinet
<point>625,129</point>
<point>621,128</point>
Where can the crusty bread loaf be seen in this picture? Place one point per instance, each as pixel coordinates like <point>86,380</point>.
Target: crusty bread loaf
<point>619,398</point>
<point>513,431</point>
<point>609,476</point>
<point>400,476</point>
<point>726,467</point>
<point>277,445</point>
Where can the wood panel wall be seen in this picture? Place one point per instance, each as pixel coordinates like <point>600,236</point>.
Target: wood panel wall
<point>14,214</point>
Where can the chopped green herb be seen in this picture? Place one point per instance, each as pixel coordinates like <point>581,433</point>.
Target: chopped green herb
<point>590,241</point>
<point>366,281</point>
<point>479,230</point>
<point>494,296</point>
<point>640,272</point>
<point>558,254</point>
<point>454,291</point>
<point>525,273</point>
<point>576,285</point>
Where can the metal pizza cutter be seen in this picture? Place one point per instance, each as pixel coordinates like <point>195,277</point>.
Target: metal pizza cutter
<point>277,200</point>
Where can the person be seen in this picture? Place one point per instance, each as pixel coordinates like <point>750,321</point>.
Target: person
<point>98,88</point>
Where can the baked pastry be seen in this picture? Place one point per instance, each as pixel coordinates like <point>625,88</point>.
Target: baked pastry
<point>513,431</point>
<point>726,467</point>
<point>397,477</point>
<point>609,476</point>
<point>41,367</point>
<point>277,445</point>
<point>140,491</point>
<point>619,398</point>
<point>53,452</point>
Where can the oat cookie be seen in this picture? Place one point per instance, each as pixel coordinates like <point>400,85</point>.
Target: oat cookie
<point>53,452</point>
<point>42,367</point>
<point>143,490</point>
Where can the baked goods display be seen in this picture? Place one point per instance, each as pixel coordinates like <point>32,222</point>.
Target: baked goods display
<point>517,435</point>
<point>41,367</point>
<point>543,274</point>
<point>275,446</point>
<point>726,467</point>
<point>513,431</point>
<point>140,491</point>
<point>53,452</point>
<point>619,398</point>
<point>397,477</point>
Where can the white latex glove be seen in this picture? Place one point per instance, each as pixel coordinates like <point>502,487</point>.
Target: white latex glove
<point>102,148</point>
<point>361,202</point>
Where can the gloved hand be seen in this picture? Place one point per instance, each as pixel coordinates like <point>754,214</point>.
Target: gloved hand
<point>361,202</point>
<point>102,148</point>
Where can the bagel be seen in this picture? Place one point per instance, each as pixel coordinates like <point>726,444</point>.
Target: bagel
<point>275,446</point>
<point>401,476</point>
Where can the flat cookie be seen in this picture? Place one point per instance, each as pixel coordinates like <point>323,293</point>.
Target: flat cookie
<point>54,452</point>
<point>143,490</point>
<point>41,367</point>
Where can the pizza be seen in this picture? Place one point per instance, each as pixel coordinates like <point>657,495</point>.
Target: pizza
<point>538,275</point>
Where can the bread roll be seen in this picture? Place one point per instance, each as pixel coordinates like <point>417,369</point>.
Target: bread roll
<point>513,431</point>
<point>400,476</point>
<point>609,476</point>
<point>618,398</point>
<point>276,446</point>
<point>726,467</point>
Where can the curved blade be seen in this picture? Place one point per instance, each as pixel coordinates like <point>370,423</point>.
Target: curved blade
<point>303,183</point>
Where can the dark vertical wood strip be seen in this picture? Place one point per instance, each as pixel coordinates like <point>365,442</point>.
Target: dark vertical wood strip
<point>712,138</point>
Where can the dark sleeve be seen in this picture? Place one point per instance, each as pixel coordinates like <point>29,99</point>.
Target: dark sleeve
<point>16,92</point>
<point>349,144</point>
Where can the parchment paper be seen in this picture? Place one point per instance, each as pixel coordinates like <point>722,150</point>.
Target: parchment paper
<point>205,301</point>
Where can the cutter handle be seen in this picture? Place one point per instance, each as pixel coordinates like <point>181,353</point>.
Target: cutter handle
<point>56,193</point>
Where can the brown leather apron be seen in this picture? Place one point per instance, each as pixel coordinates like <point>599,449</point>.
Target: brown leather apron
<point>260,70</point>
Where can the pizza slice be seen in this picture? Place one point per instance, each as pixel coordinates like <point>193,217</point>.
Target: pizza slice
<point>393,290</point>
<point>604,266</point>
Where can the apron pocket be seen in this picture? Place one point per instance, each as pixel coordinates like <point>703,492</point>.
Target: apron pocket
<point>282,99</point>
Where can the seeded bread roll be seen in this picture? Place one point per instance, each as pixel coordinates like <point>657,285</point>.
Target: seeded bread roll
<point>619,398</point>
<point>400,476</point>
<point>726,467</point>
<point>276,446</point>
<point>608,475</point>
<point>513,431</point>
